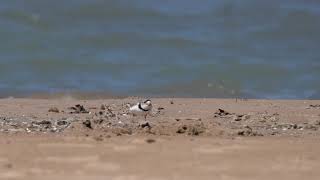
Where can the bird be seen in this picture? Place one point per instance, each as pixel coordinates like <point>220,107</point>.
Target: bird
<point>142,108</point>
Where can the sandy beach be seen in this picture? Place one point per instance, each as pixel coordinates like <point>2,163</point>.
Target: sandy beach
<point>234,86</point>
<point>182,139</point>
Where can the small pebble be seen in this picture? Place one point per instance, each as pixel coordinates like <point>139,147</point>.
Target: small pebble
<point>87,124</point>
<point>150,141</point>
<point>54,109</point>
<point>145,124</point>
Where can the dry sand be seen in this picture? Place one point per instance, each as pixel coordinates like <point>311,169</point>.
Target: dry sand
<point>183,139</point>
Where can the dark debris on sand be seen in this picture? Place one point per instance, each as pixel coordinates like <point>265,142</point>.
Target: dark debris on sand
<point>115,120</point>
<point>150,141</point>
<point>28,124</point>
<point>87,124</point>
<point>261,124</point>
<point>54,110</point>
<point>77,109</point>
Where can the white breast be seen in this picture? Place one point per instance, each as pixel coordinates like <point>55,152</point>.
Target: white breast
<point>136,110</point>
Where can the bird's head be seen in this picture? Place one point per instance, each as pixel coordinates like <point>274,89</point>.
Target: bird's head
<point>147,102</point>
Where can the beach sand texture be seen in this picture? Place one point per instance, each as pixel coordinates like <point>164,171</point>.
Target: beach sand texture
<point>183,139</point>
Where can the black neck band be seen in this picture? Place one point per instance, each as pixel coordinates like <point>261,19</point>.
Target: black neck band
<point>140,107</point>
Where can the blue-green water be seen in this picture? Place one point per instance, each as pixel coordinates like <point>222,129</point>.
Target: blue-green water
<point>207,48</point>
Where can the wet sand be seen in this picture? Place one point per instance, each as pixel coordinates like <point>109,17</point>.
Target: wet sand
<point>183,139</point>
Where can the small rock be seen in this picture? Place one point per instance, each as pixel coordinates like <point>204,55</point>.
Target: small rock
<point>150,141</point>
<point>241,117</point>
<point>237,117</point>
<point>62,123</point>
<point>87,124</point>
<point>244,133</point>
<point>274,133</point>
<point>221,112</point>
<point>171,102</point>
<point>103,107</point>
<point>44,122</point>
<point>182,129</point>
<point>54,110</point>
<point>144,125</point>
<point>315,106</point>
<point>78,109</point>
<point>248,131</point>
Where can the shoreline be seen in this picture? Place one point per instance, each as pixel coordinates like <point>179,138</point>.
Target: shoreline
<point>94,95</point>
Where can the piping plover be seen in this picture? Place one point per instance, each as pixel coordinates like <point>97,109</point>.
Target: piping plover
<point>143,108</point>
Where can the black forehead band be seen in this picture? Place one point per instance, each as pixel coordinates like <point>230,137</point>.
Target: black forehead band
<point>146,101</point>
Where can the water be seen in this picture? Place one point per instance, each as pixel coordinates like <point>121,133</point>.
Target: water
<point>184,48</point>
